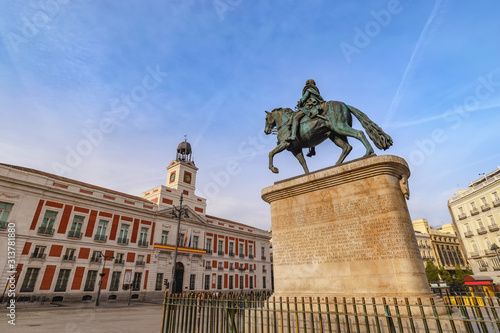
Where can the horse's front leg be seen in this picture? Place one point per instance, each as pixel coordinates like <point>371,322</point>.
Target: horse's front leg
<point>298,154</point>
<point>279,148</point>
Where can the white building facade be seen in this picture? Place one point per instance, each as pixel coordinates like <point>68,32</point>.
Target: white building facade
<point>476,216</point>
<point>69,233</point>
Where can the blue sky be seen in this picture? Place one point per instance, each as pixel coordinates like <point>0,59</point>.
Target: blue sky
<point>103,92</point>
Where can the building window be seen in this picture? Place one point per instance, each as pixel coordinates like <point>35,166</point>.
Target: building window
<point>251,281</point>
<point>263,252</point>
<point>495,196</point>
<point>159,281</point>
<point>473,205</point>
<point>96,256</point>
<point>38,252</point>
<point>47,226</point>
<point>207,282</point>
<point>250,251</point>
<point>140,260</point>
<point>195,242</point>
<point>480,224</point>
<point>122,237</point>
<point>164,237</point>
<point>119,258</point>
<point>90,282</point>
<point>115,281</point>
<point>100,235</point>
<point>220,266</point>
<point>192,279</point>
<point>231,282</point>
<point>263,282</point>
<point>29,280</point>
<point>242,254</point>
<point>231,249</point>
<point>137,281</point>
<point>76,227</point>
<point>209,245</point>
<point>143,237</point>
<point>5,209</point>
<point>492,220</point>
<point>69,255</point>
<point>220,247</point>
<point>62,280</point>
<point>219,281</point>
<point>241,281</point>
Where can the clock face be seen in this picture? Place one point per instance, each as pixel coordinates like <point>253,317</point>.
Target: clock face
<point>187,177</point>
<point>172,177</point>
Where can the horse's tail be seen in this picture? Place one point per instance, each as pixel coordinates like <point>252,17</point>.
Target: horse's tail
<point>381,139</point>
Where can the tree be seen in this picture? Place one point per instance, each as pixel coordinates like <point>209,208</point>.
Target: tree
<point>446,276</point>
<point>432,272</point>
<point>459,275</point>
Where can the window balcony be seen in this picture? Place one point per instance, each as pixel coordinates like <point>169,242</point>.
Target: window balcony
<point>220,268</point>
<point>75,234</point>
<point>139,263</point>
<point>96,260</point>
<point>474,211</point>
<point>208,265</point>
<point>231,254</point>
<point>40,256</point>
<point>250,256</point>
<point>496,268</point>
<point>3,225</point>
<point>481,231</point>
<point>264,270</point>
<point>122,241</point>
<point>263,257</point>
<point>68,258</point>
<point>46,231</point>
<point>100,238</point>
<point>496,203</point>
<point>493,227</point>
<point>485,207</point>
<point>60,289</point>
<point>241,268</point>
<point>489,252</point>
<point>88,288</point>
<point>209,251</point>
<point>119,262</point>
<point>242,255</point>
<point>483,268</point>
<point>251,269</point>
<point>221,253</point>
<point>468,234</point>
<point>143,243</point>
<point>475,254</point>
<point>462,216</point>
<point>231,268</point>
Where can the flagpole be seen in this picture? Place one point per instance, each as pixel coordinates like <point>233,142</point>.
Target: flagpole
<point>176,245</point>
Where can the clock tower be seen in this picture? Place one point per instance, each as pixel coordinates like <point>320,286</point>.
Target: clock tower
<point>181,173</point>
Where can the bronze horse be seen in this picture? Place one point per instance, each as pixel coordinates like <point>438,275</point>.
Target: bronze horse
<point>313,131</point>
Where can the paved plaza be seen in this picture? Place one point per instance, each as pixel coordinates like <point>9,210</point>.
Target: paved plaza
<point>139,318</point>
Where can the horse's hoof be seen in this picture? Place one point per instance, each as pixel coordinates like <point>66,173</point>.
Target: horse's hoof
<point>274,170</point>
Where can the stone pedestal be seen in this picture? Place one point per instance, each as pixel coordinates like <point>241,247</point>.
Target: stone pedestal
<point>345,231</point>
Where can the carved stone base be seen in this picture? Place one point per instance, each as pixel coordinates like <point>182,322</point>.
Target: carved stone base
<point>345,231</point>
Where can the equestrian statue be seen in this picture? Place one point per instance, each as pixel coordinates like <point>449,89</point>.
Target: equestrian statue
<point>316,120</point>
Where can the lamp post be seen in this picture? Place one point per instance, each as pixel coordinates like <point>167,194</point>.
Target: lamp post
<point>102,275</point>
<point>495,247</point>
<point>179,210</point>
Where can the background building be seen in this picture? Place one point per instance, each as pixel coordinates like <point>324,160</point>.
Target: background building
<point>476,214</point>
<point>439,245</point>
<point>69,232</point>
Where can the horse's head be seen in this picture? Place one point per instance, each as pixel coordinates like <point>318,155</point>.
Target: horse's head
<point>270,122</point>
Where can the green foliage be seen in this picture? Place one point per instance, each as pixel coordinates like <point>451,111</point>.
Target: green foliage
<point>459,276</point>
<point>446,276</point>
<point>432,272</point>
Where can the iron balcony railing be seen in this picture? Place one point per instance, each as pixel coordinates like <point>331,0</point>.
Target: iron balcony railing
<point>38,256</point>
<point>485,207</point>
<point>263,257</point>
<point>496,202</point>
<point>143,243</point>
<point>95,259</point>
<point>481,231</point>
<point>74,234</point>
<point>242,255</point>
<point>221,253</point>
<point>462,216</point>
<point>220,268</point>
<point>119,261</point>
<point>250,256</point>
<point>208,265</point>
<point>474,211</point>
<point>231,254</point>
<point>241,268</point>
<point>122,241</point>
<point>100,238</point>
<point>69,257</point>
<point>139,263</point>
<point>493,227</point>
<point>231,268</point>
<point>46,231</point>
<point>468,233</point>
<point>209,251</point>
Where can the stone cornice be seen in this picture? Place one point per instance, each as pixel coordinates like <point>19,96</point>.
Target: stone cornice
<point>348,172</point>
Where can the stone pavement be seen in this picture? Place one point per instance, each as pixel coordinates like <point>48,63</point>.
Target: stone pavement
<point>85,318</point>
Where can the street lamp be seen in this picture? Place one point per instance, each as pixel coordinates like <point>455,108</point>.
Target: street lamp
<point>102,274</point>
<point>495,247</point>
<point>179,211</point>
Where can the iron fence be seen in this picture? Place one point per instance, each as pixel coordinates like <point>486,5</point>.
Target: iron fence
<point>228,313</point>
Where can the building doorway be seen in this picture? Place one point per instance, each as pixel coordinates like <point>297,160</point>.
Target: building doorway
<point>179,276</point>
